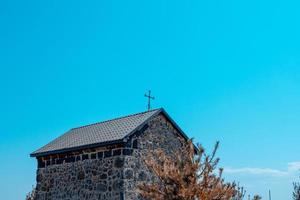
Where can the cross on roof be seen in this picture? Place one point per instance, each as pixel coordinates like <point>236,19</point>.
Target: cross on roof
<point>149,99</point>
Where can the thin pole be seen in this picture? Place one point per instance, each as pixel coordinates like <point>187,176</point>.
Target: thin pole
<point>269,194</point>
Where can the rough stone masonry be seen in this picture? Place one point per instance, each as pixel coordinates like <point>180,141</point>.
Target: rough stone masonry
<point>110,170</point>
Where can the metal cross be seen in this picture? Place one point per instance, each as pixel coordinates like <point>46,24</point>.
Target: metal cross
<point>149,99</point>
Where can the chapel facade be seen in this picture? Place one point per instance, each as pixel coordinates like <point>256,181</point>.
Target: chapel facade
<point>104,160</point>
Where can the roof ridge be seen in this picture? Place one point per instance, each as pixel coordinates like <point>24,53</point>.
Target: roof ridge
<point>117,118</point>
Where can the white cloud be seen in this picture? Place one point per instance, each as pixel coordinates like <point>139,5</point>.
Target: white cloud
<point>292,167</point>
<point>255,171</point>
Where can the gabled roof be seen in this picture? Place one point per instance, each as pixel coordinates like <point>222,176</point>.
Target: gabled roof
<point>99,134</point>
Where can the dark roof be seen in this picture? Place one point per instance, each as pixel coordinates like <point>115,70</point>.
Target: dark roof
<point>102,133</point>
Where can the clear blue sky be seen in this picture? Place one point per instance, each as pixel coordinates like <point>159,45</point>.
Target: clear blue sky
<point>224,70</point>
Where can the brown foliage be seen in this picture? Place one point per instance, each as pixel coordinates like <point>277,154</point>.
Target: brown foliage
<point>186,175</point>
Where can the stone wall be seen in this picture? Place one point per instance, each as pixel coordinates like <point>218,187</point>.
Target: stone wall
<point>94,175</point>
<point>107,173</point>
<point>160,133</point>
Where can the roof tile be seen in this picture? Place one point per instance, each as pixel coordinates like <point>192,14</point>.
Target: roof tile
<point>102,132</point>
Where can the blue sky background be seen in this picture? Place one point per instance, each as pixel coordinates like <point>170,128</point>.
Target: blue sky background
<point>224,70</point>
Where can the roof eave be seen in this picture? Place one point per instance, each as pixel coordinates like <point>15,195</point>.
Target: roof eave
<point>47,153</point>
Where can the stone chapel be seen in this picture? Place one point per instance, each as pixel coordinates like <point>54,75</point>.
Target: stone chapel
<point>104,160</point>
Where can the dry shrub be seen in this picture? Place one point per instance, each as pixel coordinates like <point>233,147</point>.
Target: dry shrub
<point>188,174</point>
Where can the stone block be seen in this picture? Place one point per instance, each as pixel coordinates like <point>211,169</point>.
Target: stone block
<point>85,156</point>
<point>93,156</point>
<point>100,155</point>
<point>107,154</point>
<point>119,162</point>
<point>128,173</point>
<point>116,152</point>
<point>127,152</point>
<point>41,164</point>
